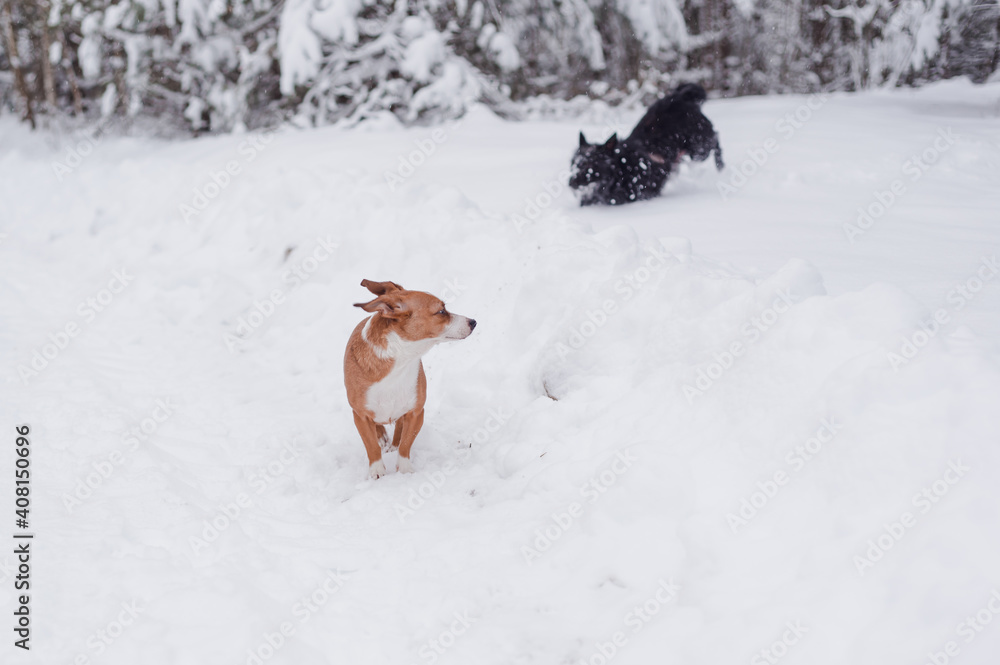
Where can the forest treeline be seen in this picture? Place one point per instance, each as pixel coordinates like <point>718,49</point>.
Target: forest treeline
<point>218,65</point>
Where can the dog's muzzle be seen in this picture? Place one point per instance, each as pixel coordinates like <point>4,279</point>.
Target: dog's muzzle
<point>459,328</point>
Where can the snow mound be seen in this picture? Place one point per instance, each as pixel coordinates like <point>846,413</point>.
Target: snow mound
<point>640,451</point>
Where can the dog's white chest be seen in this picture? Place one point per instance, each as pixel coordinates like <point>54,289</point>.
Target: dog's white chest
<point>396,394</point>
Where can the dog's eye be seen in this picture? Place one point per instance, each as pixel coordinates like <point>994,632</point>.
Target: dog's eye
<point>442,312</point>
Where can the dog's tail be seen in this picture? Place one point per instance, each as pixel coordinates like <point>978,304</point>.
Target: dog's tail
<point>690,92</point>
<point>718,154</point>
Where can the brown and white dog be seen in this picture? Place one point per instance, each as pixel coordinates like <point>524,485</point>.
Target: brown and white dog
<point>382,369</point>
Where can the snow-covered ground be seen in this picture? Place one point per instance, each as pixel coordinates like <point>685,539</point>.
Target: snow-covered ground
<point>703,429</point>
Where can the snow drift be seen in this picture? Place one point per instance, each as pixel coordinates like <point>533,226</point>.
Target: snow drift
<point>641,453</point>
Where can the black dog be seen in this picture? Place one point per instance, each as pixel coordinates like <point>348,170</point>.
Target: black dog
<point>619,172</point>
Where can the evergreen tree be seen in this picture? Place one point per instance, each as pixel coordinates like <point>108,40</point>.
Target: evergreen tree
<point>220,65</point>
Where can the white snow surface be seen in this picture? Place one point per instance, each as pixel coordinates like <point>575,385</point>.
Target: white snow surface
<point>566,474</point>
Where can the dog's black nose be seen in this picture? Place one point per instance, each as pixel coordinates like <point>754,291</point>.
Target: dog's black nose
<point>472,325</point>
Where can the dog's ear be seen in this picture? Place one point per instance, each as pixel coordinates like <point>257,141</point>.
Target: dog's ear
<point>612,142</point>
<point>583,141</point>
<point>390,308</point>
<point>381,288</point>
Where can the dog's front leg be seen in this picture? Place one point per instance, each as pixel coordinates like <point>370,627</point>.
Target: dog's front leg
<point>407,429</point>
<point>369,435</point>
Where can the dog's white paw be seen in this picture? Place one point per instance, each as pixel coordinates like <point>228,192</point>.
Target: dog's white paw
<point>404,465</point>
<point>384,440</point>
<point>376,470</point>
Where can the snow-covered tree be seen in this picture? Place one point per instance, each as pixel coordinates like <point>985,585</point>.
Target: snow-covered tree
<point>220,65</point>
